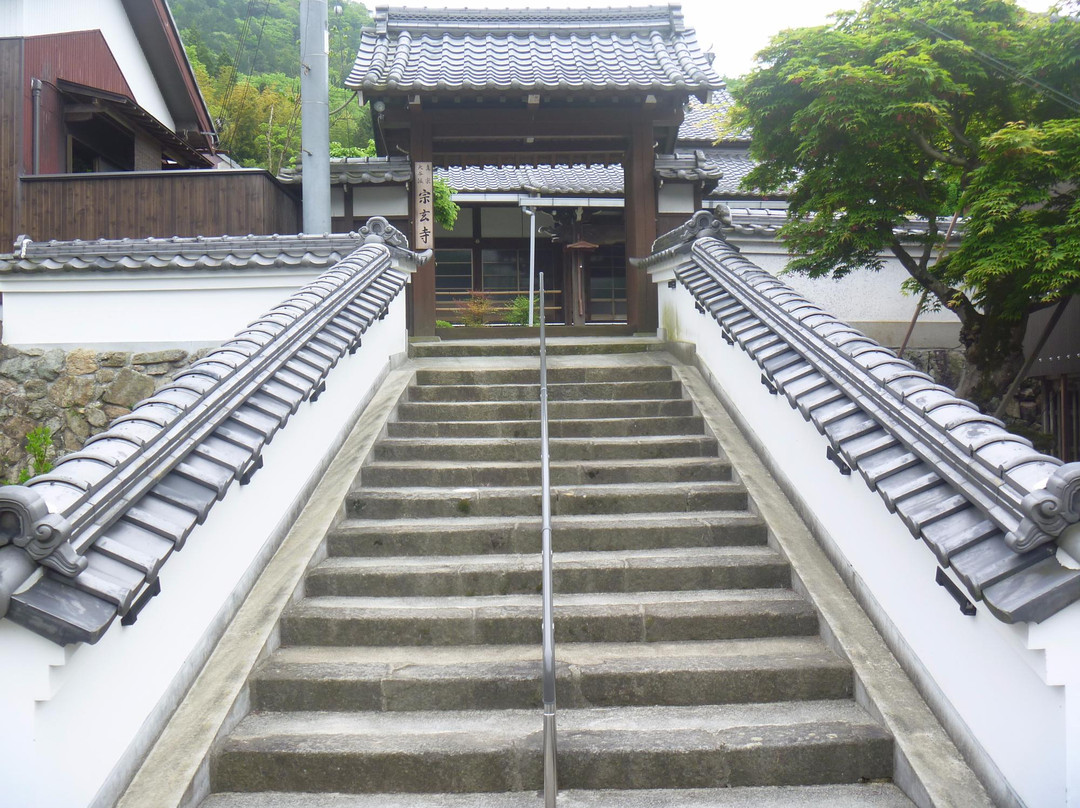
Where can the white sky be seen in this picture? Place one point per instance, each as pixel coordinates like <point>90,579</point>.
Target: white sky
<point>734,29</point>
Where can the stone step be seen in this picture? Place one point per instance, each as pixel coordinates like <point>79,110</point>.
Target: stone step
<point>504,574</point>
<point>858,795</point>
<point>576,428</point>
<point>514,619</point>
<point>584,391</point>
<point>497,449</point>
<point>474,536</point>
<point>531,347</point>
<point>308,678</point>
<point>454,503</point>
<point>530,410</point>
<point>555,375</point>
<point>779,743</point>
<point>438,473</point>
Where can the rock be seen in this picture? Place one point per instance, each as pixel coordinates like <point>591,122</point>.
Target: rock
<point>7,388</point>
<point>16,429</point>
<point>105,375</point>
<point>156,357</point>
<point>19,368</point>
<point>51,365</point>
<point>157,370</point>
<point>40,410</point>
<point>128,388</point>
<point>95,416</point>
<point>35,389</point>
<point>72,391</point>
<point>113,359</point>
<point>81,362</point>
<point>113,412</point>
<point>78,425</point>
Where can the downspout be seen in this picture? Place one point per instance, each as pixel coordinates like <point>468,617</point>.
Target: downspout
<point>532,260</point>
<point>35,90</point>
<point>315,115</point>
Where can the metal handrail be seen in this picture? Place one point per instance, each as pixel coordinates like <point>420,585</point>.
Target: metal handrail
<point>551,782</point>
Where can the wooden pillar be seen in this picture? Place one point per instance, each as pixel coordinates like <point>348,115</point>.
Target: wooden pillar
<point>423,280</point>
<point>640,217</point>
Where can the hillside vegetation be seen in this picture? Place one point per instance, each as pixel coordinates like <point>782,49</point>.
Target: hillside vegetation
<point>246,56</point>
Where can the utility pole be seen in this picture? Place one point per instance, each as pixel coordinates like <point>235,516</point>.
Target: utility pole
<point>315,114</point>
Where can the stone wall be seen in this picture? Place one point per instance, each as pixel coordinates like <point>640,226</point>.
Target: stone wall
<point>76,394</point>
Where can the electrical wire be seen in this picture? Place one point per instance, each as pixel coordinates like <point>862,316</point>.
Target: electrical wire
<point>1062,98</point>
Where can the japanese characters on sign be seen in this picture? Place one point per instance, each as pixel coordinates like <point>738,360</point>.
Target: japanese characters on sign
<point>424,207</point>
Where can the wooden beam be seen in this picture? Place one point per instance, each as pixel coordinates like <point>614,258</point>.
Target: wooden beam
<point>640,218</point>
<point>422,286</point>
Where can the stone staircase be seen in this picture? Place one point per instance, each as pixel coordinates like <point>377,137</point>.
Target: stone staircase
<point>689,671</point>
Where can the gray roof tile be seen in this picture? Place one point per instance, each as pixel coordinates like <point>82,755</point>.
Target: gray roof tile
<point>162,467</point>
<point>643,48</point>
<point>219,253</point>
<point>981,499</point>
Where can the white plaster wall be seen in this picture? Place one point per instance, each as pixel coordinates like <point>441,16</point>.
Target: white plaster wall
<point>987,681</point>
<point>873,302</point>
<point>76,720</point>
<point>38,17</point>
<point>95,309</point>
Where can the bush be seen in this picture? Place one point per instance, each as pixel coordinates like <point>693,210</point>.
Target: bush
<point>443,324</point>
<point>518,312</point>
<point>476,309</point>
<point>38,443</point>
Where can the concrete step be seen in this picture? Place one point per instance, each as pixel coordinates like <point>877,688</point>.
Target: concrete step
<point>555,375</point>
<point>530,410</point>
<point>474,536</point>
<point>858,795</point>
<point>531,347</point>
<point>584,391</point>
<point>455,503</point>
<point>512,619</point>
<point>625,571</point>
<point>420,472</point>
<point>577,428</point>
<point>780,743</point>
<point>497,449</point>
<point>309,678</point>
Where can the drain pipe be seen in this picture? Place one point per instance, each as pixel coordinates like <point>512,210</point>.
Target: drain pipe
<point>532,259</point>
<point>35,90</point>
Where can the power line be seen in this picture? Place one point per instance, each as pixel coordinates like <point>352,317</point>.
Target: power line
<point>1065,100</point>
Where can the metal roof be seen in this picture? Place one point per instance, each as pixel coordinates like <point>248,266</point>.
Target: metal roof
<point>645,48</point>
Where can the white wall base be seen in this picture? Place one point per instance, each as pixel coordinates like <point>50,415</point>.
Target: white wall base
<point>77,721</point>
<point>1002,692</point>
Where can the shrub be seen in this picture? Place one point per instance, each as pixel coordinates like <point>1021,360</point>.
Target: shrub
<point>518,312</point>
<point>476,309</point>
<point>38,442</point>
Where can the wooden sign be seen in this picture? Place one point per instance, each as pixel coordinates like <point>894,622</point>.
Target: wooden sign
<point>423,207</point>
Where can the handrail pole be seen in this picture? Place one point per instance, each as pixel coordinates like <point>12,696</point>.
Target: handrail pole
<point>551,783</point>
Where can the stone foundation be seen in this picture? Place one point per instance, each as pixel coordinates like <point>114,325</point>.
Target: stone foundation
<point>76,394</point>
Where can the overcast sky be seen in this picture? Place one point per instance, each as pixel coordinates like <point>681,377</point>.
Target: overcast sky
<point>734,29</point>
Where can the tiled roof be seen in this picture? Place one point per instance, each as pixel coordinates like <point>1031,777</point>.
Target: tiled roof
<point>699,124</point>
<point>163,254</point>
<point>359,171</point>
<point>984,501</point>
<point>544,179</point>
<point>107,517</point>
<point>644,48</point>
<point>735,164</point>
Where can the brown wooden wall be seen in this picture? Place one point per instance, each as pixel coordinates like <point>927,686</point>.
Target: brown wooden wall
<point>10,137</point>
<point>156,203</point>
<point>79,56</point>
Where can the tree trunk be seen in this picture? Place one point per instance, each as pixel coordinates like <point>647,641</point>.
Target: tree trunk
<point>994,351</point>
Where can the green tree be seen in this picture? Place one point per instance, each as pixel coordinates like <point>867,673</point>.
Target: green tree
<point>246,57</point>
<point>930,109</point>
